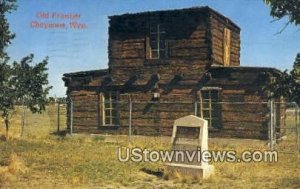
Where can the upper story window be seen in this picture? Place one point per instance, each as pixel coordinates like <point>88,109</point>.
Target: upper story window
<point>157,42</point>
<point>226,47</point>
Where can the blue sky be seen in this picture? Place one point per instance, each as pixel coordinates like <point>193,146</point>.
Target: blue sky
<point>71,50</point>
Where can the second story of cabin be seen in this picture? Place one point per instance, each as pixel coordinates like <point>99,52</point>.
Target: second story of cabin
<point>184,41</point>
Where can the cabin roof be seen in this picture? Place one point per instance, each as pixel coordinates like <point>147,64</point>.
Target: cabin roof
<point>238,77</point>
<point>87,73</point>
<point>198,8</point>
<point>245,75</point>
<point>246,69</point>
<point>215,76</point>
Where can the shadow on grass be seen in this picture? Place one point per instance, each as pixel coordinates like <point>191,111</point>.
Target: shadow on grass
<point>290,182</point>
<point>3,138</point>
<point>62,133</point>
<point>158,173</point>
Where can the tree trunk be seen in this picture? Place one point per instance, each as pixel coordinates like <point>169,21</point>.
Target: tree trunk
<point>7,126</point>
<point>23,121</point>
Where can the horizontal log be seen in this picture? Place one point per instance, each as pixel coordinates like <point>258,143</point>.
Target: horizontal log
<point>199,34</point>
<point>226,92</point>
<point>187,43</point>
<point>85,98</point>
<point>85,123</point>
<point>217,43</point>
<point>235,54</point>
<point>218,59</point>
<point>243,117</point>
<point>236,44</point>
<point>81,93</point>
<point>126,63</point>
<point>218,50</point>
<point>191,54</point>
<point>237,133</point>
<point>247,83</point>
<point>219,26</point>
<point>149,122</point>
<point>121,45</point>
<point>154,115</point>
<point>86,102</point>
<point>235,63</point>
<point>128,41</point>
<point>85,115</point>
<point>234,50</point>
<point>86,130</point>
<point>247,126</point>
<point>136,53</point>
<point>168,107</point>
<point>89,108</point>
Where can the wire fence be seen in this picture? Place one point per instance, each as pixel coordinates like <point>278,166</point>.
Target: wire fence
<point>277,123</point>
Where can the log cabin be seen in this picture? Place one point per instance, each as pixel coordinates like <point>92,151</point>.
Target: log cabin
<point>167,64</point>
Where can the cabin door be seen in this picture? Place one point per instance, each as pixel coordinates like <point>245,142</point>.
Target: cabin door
<point>210,107</point>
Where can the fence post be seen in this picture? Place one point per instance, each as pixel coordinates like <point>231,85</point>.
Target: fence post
<point>297,115</point>
<point>274,123</point>
<point>196,107</point>
<point>130,117</point>
<point>58,117</point>
<point>71,116</point>
<point>271,125</point>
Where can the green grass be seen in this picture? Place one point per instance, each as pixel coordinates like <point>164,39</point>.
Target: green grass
<point>84,161</point>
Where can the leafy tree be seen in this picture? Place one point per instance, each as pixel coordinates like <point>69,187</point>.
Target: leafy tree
<point>285,8</point>
<point>31,85</point>
<point>296,69</point>
<point>23,84</point>
<point>6,94</point>
<point>6,6</point>
<point>61,100</point>
<point>295,74</point>
<point>287,85</point>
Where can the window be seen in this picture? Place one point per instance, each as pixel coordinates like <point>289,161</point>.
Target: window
<point>110,115</point>
<point>226,47</point>
<point>210,107</point>
<point>157,42</point>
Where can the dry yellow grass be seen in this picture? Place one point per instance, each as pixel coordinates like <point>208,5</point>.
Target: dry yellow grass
<point>42,160</point>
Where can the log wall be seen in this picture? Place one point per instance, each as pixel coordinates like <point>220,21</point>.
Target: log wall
<point>246,116</point>
<point>217,31</point>
<point>194,39</point>
<point>187,40</point>
<point>242,120</point>
<point>86,112</point>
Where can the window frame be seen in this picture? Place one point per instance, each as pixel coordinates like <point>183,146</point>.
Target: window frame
<point>162,53</point>
<point>113,120</point>
<point>210,106</point>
